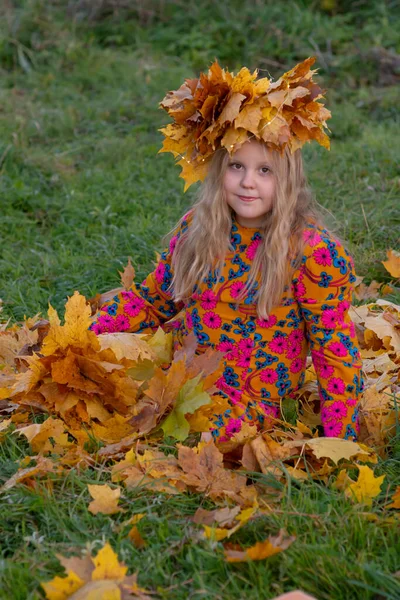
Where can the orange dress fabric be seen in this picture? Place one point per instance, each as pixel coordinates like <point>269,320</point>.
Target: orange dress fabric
<point>264,360</point>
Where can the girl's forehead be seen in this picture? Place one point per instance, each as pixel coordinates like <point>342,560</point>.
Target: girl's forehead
<point>252,150</point>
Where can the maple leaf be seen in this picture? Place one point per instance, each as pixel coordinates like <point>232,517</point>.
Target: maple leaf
<point>102,577</point>
<point>203,470</point>
<point>218,533</point>
<point>382,318</point>
<point>201,419</point>
<point>75,332</point>
<point>12,343</point>
<point>395,499</point>
<point>392,264</point>
<point>113,430</point>
<point>43,467</point>
<point>136,538</point>
<point>377,416</point>
<point>333,448</point>
<point>45,437</point>
<point>191,396</point>
<point>158,397</point>
<point>161,344</point>
<point>342,481</point>
<point>366,487</point>
<point>126,346</point>
<point>268,452</point>
<point>127,275</point>
<point>260,550</point>
<point>222,516</point>
<point>105,499</point>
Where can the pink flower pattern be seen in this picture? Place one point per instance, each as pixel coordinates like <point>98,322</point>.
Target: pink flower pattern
<point>236,288</point>
<point>212,320</point>
<point>252,249</point>
<point>208,300</point>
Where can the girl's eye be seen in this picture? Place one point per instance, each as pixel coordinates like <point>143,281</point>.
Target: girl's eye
<point>265,170</point>
<point>235,166</point>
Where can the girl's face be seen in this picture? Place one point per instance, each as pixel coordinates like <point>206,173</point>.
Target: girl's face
<point>249,183</point>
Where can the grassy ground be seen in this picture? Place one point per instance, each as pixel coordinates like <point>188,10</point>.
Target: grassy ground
<point>82,188</point>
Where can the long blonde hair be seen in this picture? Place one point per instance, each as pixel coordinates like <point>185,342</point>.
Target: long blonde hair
<point>208,239</point>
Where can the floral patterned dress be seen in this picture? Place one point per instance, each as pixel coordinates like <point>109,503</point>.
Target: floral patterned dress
<point>264,360</point>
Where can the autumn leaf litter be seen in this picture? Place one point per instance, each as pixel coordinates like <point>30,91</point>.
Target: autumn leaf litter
<point>126,391</point>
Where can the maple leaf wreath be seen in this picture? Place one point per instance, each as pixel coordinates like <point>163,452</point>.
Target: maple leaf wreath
<point>220,109</point>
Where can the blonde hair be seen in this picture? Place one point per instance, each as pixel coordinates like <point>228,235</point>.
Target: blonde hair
<point>207,241</point>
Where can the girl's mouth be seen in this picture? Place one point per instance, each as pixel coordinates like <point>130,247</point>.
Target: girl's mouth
<point>247,198</point>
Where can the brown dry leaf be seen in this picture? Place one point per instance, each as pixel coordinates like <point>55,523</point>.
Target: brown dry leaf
<point>101,577</point>
<point>127,276</point>
<point>268,453</point>
<point>382,318</point>
<point>161,394</point>
<point>42,467</point>
<point>392,264</point>
<point>377,416</point>
<point>223,516</point>
<point>136,538</point>
<point>203,471</point>
<point>367,292</point>
<point>260,550</point>
<point>105,499</point>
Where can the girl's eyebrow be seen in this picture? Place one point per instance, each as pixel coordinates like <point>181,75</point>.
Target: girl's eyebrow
<point>261,164</point>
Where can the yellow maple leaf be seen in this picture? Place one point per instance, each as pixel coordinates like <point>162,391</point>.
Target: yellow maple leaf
<point>75,332</point>
<point>105,499</point>
<point>392,264</point>
<point>46,437</point>
<point>107,566</point>
<point>61,588</point>
<point>102,577</point>
<point>342,481</point>
<point>161,344</point>
<point>366,487</point>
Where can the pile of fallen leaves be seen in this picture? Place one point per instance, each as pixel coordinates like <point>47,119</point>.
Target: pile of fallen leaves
<point>112,399</point>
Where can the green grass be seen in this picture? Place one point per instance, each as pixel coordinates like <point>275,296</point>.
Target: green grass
<point>338,553</point>
<point>82,188</point>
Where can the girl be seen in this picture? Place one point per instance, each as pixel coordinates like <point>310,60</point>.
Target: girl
<point>251,266</point>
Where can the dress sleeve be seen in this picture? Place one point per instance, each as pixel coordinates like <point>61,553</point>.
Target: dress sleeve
<point>145,306</point>
<point>323,286</point>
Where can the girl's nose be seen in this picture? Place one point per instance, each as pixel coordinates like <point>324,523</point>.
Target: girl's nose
<point>248,179</point>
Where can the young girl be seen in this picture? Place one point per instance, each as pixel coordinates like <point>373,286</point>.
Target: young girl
<point>251,265</point>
